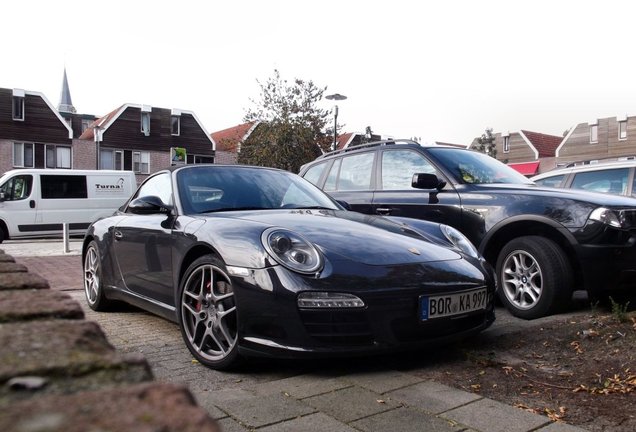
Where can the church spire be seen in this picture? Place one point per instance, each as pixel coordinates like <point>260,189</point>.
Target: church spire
<point>66,104</point>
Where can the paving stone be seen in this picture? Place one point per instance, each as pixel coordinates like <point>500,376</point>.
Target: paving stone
<point>21,281</point>
<point>432,397</point>
<point>260,411</point>
<point>301,386</point>
<point>492,416</point>
<point>230,425</point>
<point>6,258</point>
<point>11,267</point>
<point>382,381</point>
<point>144,408</point>
<point>405,420</point>
<point>23,305</point>
<point>73,355</point>
<point>560,427</point>
<point>318,422</point>
<point>350,403</point>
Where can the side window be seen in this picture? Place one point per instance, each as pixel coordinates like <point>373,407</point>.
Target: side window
<point>159,185</point>
<point>398,167</point>
<point>63,186</point>
<point>332,179</point>
<point>554,181</point>
<point>17,188</point>
<point>612,181</point>
<point>355,172</point>
<point>313,174</point>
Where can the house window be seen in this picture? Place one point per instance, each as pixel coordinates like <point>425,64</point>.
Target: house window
<point>622,130</point>
<point>18,108</point>
<point>85,124</point>
<point>593,134</point>
<point>111,159</point>
<point>145,123</point>
<point>506,144</point>
<point>141,162</point>
<point>175,125</point>
<point>22,155</point>
<point>58,157</point>
<point>197,159</point>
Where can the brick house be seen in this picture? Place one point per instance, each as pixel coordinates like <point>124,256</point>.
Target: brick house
<point>611,138</point>
<point>528,152</point>
<point>33,134</point>
<point>228,141</point>
<point>141,138</point>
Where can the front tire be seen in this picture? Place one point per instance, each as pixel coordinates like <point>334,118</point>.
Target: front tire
<point>93,286</point>
<point>534,276</point>
<point>207,313</point>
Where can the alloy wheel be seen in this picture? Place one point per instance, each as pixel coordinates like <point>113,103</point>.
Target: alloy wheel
<point>522,279</point>
<point>91,275</point>
<point>208,313</point>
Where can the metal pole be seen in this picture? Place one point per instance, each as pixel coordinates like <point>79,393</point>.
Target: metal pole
<point>65,234</point>
<point>335,128</point>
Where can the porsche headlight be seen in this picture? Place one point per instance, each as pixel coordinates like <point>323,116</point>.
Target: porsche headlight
<point>291,250</point>
<point>459,240</point>
<point>605,216</point>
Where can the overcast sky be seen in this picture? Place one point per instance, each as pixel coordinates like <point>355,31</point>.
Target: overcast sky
<point>439,70</point>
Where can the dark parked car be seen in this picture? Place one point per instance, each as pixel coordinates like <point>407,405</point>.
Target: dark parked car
<point>543,242</point>
<point>255,261</point>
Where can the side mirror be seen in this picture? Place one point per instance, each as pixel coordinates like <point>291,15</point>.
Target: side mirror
<point>344,204</point>
<point>427,181</point>
<point>148,205</point>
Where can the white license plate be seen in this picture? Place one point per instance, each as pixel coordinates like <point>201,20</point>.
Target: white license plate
<point>452,304</point>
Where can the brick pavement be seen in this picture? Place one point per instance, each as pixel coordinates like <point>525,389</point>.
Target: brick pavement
<point>63,272</point>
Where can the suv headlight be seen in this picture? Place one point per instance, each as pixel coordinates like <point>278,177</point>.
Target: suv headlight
<point>459,240</point>
<point>606,216</point>
<point>291,250</point>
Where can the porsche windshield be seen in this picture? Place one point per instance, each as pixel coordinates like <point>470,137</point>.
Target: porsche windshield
<point>205,189</point>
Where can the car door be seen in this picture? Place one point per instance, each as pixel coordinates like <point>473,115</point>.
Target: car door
<point>18,205</point>
<point>351,179</point>
<point>395,196</point>
<point>143,245</point>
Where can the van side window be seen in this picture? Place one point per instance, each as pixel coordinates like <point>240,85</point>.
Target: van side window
<point>332,178</point>
<point>63,186</point>
<point>355,172</point>
<point>398,167</point>
<point>17,188</point>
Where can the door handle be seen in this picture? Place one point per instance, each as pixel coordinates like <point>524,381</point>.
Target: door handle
<point>383,211</point>
<point>32,203</point>
<point>118,235</point>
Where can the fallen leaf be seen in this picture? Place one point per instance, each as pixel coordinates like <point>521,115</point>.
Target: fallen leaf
<point>380,401</point>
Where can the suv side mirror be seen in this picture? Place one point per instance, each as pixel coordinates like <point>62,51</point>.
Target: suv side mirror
<point>427,181</point>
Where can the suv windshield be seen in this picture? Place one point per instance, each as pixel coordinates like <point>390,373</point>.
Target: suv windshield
<point>476,168</point>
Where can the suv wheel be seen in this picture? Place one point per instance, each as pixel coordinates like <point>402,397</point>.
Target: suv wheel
<point>534,277</point>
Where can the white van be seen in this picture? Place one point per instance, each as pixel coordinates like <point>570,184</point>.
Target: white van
<point>36,202</point>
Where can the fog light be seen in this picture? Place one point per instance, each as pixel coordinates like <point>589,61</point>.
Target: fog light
<point>313,299</point>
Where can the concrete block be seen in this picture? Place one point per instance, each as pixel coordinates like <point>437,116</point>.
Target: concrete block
<point>24,305</point>
<point>432,397</point>
<point>405,420</point>
<point>260,411</point>
<point>21,281</point>
<point>350,404</point>
<point>492,416</point>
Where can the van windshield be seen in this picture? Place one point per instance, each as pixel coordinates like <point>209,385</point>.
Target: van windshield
<point>17,188</point>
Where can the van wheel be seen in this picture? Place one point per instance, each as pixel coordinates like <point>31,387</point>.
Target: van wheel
<point>93,286</point>
<point>534,276</point>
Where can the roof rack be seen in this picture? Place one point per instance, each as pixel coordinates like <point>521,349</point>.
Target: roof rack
<point>371,144</point>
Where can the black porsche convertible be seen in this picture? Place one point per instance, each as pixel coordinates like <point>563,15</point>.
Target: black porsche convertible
<point>258,261</point>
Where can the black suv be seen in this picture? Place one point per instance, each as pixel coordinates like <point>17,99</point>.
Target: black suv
<point>543,242</point>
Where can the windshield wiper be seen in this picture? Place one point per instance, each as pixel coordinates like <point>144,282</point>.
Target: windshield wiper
<point>215,210</point>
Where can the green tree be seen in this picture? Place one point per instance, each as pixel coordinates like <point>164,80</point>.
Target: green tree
<point>291,131</point>
<point>486,143</point>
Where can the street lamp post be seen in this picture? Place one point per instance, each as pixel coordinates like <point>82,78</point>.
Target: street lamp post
<point>336,97</point>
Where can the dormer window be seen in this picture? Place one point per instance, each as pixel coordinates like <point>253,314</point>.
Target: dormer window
<point>622,130</point>
<point>506,143</point>
<point>18,105</point>
<point>593,133</point>
<point>145,123</point>
<point>175,122</point>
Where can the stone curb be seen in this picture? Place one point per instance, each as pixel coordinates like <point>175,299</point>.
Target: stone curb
<point>58,372</point>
